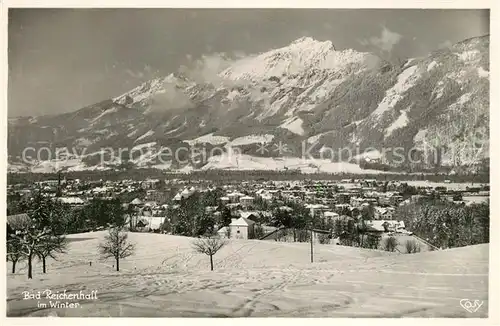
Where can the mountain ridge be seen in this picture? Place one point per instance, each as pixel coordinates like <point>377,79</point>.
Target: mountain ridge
<point>298,93</point>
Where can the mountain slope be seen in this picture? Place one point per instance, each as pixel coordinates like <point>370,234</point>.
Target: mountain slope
<point>319,102</point>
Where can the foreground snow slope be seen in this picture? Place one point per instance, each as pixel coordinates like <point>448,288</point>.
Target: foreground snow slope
<point>258,278</point>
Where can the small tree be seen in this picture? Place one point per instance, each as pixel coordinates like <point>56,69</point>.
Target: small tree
<point>372,241</point>
<point>116,245</point>
<point>49,248</point>
<point>259,232</point>
<point>390,244</point>
<point>14,252</point>
<point>225,217</point>
<point>209,246</point>
<point>412,247</point>
<point>324,238</point>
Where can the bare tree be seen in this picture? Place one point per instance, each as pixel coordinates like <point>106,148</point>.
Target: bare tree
<point>116,245</point>
<point>209,246</point>
<point>412,247</point>
<point>35,229</point>
<point>49,248</point>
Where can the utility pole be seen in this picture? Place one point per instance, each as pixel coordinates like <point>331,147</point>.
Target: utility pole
<point>58,191</point>
<point>312,242</point>
<point>312,253</point>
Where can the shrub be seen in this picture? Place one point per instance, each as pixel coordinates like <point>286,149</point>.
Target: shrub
<point>390,244</point>
<point>259,232</point>
<point>372,241</point>
<point>323,238</point>
<point>412,247</point>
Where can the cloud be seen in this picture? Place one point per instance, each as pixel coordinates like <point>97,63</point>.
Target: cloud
<point>207,68</point>
<point>240,54</point>
<point>146,73</point>
<point>170,98</point>
<point>387,40</point>
<point>204,70</point>
<point>138,75</point>
<point>445,45</point>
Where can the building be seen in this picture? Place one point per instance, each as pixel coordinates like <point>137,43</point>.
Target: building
<point>383,213</point>
<point>242,228</point>
<point>73,201</point>
<point>184,194</point>
<point>357,201</point>
<point>246,201</point>
<point>136,202</point>
<point>147,223</point>
<point>385,226</point>
<point>224,232</point>
<point>390,199</point>
<point>234,197</point>
<point>330,216</point>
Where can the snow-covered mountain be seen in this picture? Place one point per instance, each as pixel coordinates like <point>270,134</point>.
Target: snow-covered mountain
<point>293,107</point>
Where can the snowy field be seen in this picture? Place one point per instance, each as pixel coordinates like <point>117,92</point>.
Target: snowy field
<point>165,278</point>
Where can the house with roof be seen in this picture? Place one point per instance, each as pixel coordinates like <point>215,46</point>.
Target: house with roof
<point>241,228</point>
<point>390,199</point>
<point>385,226</point>
<point>383,213</point>
<point>151,204</point>
<point>234,197</point>
<point>147,223</point>
<point>253,215</point>
<point>73,201</point>
<point>224,232</point>
<point>136,202</point>
<point>330,216</point>
<point>184,194</point>
<point>246,201</point>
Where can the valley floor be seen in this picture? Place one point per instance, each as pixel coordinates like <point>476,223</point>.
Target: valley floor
<point>252,278</point>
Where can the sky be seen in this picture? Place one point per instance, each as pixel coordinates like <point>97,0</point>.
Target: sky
<point>61,60</point>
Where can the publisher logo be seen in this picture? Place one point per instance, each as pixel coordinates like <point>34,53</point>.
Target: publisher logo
<point>471,305</point>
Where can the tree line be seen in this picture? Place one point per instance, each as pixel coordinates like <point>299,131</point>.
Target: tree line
<point>255,175</point>
<point>445,224</point>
